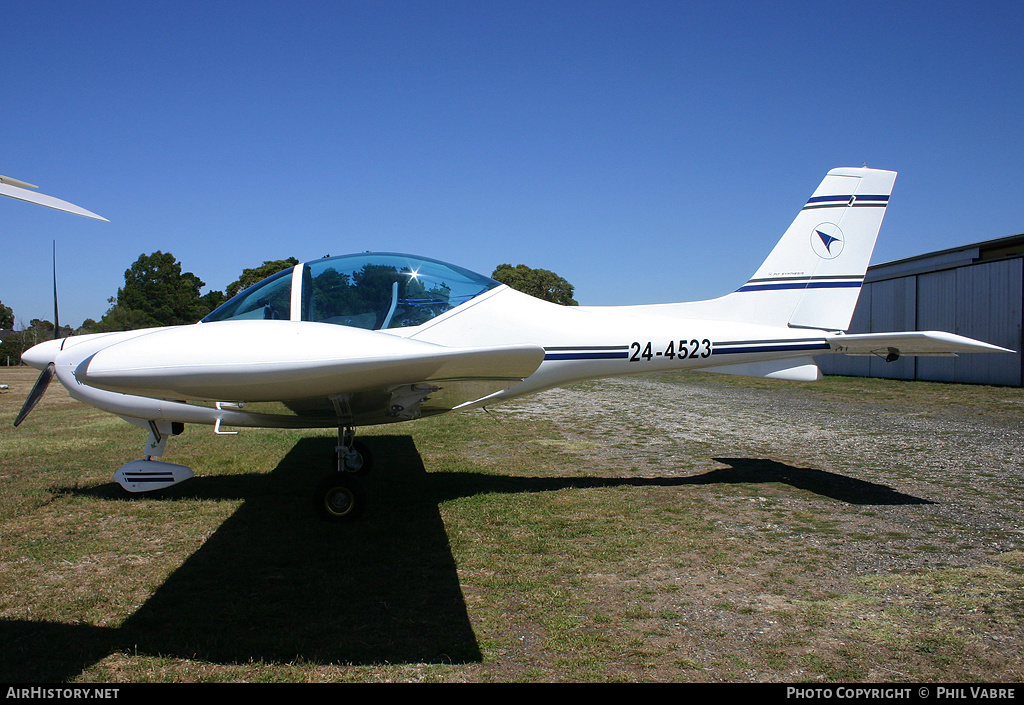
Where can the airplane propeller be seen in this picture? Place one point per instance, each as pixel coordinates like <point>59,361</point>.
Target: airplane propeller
<point>43,381</point>
<point>37,392</point>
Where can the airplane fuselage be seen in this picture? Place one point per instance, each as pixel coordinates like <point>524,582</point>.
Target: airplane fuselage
<point>293,373</point>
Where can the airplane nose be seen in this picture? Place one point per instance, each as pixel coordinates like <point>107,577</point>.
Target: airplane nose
<point>39,356</point>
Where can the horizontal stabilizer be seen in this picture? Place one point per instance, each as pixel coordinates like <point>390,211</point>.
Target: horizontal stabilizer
<point>909,343</point>
<point>799,370</point>
<point>13,188</point>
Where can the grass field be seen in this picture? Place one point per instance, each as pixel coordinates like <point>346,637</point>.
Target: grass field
<point>676,528</point>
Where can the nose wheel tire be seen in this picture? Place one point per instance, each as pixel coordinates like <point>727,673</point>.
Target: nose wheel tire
<point>340,498</point>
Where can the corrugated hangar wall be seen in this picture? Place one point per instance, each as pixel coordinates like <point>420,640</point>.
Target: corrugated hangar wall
<point>976,291</point>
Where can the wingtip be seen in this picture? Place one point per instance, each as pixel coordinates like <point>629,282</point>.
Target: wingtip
<point>19,192</point>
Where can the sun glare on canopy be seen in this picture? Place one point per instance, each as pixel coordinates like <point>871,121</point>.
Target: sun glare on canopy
<point>371,291</point>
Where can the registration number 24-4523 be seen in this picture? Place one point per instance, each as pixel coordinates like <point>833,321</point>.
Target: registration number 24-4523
<point>640,352</point>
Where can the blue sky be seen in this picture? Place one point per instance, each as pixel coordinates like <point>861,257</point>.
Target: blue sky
<point>646,151</point>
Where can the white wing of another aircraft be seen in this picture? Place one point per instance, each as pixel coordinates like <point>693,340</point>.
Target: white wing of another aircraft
<point>382,337</point>
<point>20,190</point>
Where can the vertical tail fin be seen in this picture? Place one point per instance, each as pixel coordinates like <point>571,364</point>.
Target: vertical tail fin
<point>813,276</point>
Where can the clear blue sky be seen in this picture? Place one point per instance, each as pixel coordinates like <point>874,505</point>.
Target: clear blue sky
<point>646,151</point>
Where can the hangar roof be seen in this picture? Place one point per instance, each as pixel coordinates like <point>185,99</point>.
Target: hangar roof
<point>1000,248</point>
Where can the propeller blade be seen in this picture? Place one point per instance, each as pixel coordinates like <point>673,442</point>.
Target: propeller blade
<point>56,318</point>
<point>37,392</point>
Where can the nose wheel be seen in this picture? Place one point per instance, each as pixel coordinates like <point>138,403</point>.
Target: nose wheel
<point>341,498</point>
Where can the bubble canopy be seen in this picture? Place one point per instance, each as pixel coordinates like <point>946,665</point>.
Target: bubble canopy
<point>373,290</point>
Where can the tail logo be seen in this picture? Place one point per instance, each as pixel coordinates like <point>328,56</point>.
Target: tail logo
<point>827,241</point>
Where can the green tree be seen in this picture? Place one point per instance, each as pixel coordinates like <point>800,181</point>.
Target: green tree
<point>119,317</point>
<point>212,300</point>
<point>541,283</point>
<point>6,317</point>
<point>10,350</point>
<point>258,274</point>
<point>155,293</point>
<point>10,343</point>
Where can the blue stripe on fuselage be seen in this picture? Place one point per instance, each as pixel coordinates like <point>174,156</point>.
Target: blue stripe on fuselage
<point>586,356</point>
<point>781,346</point>
<point>800,285</point>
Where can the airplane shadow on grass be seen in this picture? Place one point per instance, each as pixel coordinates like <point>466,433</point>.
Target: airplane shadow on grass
<point>276,584</point>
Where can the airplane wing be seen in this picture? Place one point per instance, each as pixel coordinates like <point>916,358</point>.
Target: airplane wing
<point>910,343</point>
<point>316,371</point>
<point>20,190</point>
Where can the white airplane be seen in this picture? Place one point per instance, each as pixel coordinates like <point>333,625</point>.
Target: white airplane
<point>378,338</point>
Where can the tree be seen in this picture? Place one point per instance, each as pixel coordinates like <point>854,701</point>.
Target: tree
<point>541,283</point>
<point>10,343</point>
<point>212,300</point>
<point>155,293</point>
<point>6,317</point>
<point>258,274</point>
<point>38,330</point>
<point>121,318</point>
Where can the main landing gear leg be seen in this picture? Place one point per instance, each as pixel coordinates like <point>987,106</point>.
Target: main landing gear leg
<point>341,496</point>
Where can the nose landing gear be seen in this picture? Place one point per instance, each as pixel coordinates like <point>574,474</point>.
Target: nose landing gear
<point>340,496</point>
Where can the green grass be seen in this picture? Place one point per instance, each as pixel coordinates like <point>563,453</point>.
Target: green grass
<point>497,548</point>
